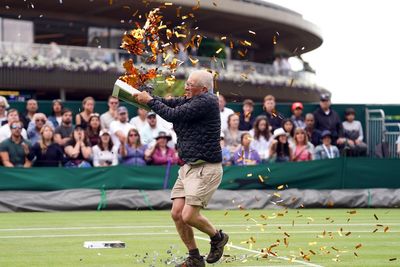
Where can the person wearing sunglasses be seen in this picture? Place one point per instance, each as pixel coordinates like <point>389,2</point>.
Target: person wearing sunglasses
<point>132,151</point>
<point>36,125</point>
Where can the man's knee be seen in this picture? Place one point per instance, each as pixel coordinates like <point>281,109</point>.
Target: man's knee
<point>189,215</point>
<point>176,211</point>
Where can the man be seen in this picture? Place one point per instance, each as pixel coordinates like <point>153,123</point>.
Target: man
<point>152,129</point>
<point>246,118</point>
<point>140,121</point>
<point>274,117</point>
<point>197,123</point>
<point>111,115</point>
<point>31,109</point>
<point>326,150</point>
<point>314,135</point>
<point>16,151</point>
<point>63,133</point>
<point>36,125</point>
<point>224,112</point>
<point>297,117</point>
<point>5,131</point>
<point>119,129</point>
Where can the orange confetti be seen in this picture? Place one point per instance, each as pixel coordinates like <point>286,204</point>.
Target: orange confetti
<point>218,51</point>
<point>386,229</point>
<point>260,178</point>
<point>376,217</point>
<point>226,213</point>
<point>193,60</point>
<point>358,246</point>
<point>280,187</point>
<point>352,212</point>
<point>375,230</point>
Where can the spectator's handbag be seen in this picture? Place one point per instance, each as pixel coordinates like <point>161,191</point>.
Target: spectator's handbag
<point>124,92</point>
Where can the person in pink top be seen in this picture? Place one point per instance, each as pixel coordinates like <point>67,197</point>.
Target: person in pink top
<point>160,153</point>
<point>302,150</point>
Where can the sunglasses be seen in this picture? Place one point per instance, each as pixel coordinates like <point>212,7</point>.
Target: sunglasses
<point>133,135</point>
<point>16,127</point>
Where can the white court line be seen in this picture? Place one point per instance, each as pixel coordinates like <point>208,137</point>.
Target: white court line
<point>259,253</point>
<point>172,226</point>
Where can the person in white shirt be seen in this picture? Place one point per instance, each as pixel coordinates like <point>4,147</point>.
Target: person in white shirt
<point>3,110</point>
<point>105,153</point>
<point>353,134</point>
<point>224,112</point>
<point>119,129</point>
<point>151,131</point>
<point>111,115</point>
<point>262,137</point>
<point>140,121</point>
<point>5,131</point>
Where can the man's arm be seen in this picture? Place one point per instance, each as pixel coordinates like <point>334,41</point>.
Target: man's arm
<point>172,102</point>
<point>5,158</point>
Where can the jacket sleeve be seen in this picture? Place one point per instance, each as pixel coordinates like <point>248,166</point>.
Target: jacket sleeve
<point>173,102</point>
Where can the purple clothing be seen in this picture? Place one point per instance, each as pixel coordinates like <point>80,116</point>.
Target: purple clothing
<point>245,157</point>
<point>135,156</point>
<point>159,158</point>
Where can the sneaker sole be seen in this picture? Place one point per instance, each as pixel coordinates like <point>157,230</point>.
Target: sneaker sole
<point>225,242</point>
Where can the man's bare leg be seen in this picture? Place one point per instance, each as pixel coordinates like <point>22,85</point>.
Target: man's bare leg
<point>185,231</point>
<point>191,216</point>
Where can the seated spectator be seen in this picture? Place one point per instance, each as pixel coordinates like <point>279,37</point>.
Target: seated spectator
<point>140,121</point>
<point>78,150</point>
<point>274,117</point>
<point>3,110</point>
<point>36,125</point>
<point>47,152</point>
<point>224,112</point>
<point>302,150</point>
<point>247,117</point>
<point>353,134</point>
<point>16,151</point>
<point>5,131</point>
<point>280,150</point>
<point>226,154</point>
<point>160,153</point>
<point>297,117</point>
<point>111,115</point>
<point>63,133</point>
<point>262,137</point>
<point>232,134</point>
<point>87,109</point>
<point>56,112</point>
<point>31,108</point>
<point>93,129</point>
<point>314,135</point>
<point>105,153</point>
<point>245,156</point>
<point>132,151</point>
<point>119,129</point>
<point>326,150</point>
<point>289,127</point>
<point>152,129</point>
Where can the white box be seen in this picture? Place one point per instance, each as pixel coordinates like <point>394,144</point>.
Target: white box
<point>104,244</point>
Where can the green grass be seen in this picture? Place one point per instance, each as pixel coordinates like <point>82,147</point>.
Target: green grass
<point>56,239</point>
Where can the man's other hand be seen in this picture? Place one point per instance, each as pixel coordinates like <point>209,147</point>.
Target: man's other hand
<point>143,97</point>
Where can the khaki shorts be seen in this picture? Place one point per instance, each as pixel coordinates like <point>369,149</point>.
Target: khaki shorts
<point>197,183</point>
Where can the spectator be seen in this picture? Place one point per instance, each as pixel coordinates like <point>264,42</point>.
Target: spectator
<point>93,129</point>
<point>132,151</point>
<point>31,109</point>
<point>36,125</point>
<point>245,155</point>
<point>262,137</point>
<point>224,112</point>
<point>232,133</point>
<point>328,119</point>
<point>78,150</point>
<point>160,153</point>
<point>274,117</point>
<point>247,117</point>
<point>56,112</point>
<point>63,133</point>
<point>112,114</point>
<point>105,153</point>
<point>314,135</point>
<point>16,151</point>
<point>152,130</point>
<point>297,117</point>
<point>47,152</point>
<point>120,128</point>
<point>302,149</point>
<point>280,150</point>
<point>5,132</point>
<point>82,118</point>
<point>326,150</point>
<point>226,154</point>
<point>140,121</point>
<point>3,110</point>
<point>288,126</point>
<point>398,145</point>
<point>353,134</point>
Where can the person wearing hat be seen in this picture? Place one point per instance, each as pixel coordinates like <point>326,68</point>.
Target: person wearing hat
<point>280,150</point>
<point>105,153</point>
<point>197,123</point>
<point>326,150</point>
<point>297,117</point>
<point>246,118</point>
<point>78,150</point>
<point>152,129</point>
<point>353,134</point>
<point>160,153</point>
<point>120,128</point>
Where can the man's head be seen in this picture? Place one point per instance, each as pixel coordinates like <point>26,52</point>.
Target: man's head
<point>12,115</point>
<point>199,82</point>
<point>31,106</point>
<point>39,119</point>
<point>297,109</point>
<point>309,120</point>
<point>248,106</point>
<point>113,102</point>
<point>66,116</point>
<point>325,102</point>
<point>122,114</point>
<point>221,102</point>
<point>269,103</point>
<point>142,113</point>
<point>152,119</point>
<point>16,129</point>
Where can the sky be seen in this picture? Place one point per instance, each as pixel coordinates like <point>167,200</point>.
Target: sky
<point>359,60</point>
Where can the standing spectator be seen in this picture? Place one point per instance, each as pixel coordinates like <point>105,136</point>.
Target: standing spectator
<point>82,118</point>
<point>16,151</point>
<point>226,154</point>
<point>36,125</point>
<point>326,150</point>
<point>110,115</point>
<point>47,152</point>
<point>353,134</point>
<point>245,155</point>
<point>232,133</point>
<point>314,135</point>
<point>56,112</point>
<point>132,151</point>
<point>289,127</point>
<point>3,110</point>
<point>63,133</point>
<point>93,129</point>
<point>140,121</point>
<point>105,153</point>
<point>31,109</point>
<point>328,119</point>
<point>247,117</point>
<point>152,130</point>
<point>262,137</point>
<point>78,150</point>
<point>224,112</point>
<point>120,128</point>
<point>274,117</point>
<point>302,150</point>
<point>297,117</point>
<point>280,150</point>
<point>160,153</point>
<point>5,131</point>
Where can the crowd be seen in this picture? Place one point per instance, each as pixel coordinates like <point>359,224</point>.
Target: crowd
<point>112,138</point>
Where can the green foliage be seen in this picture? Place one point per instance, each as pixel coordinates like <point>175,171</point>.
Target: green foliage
<point>161,88</point>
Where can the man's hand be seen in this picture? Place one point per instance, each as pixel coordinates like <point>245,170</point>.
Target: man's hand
<point>26,148</point>
<point>143,97</point>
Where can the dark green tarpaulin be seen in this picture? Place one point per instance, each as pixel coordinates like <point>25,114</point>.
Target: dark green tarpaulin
<point>342,173</point>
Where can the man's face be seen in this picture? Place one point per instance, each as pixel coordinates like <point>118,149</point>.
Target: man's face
<point>326,140</point>
<point>123,116</point>
<point>113,103</point>
<point>142,113</point>
<point>67,118</point>
<point>192,87</point>
<point>152,120</point>
<point>31,106</point>
<point>297,112</point>
<point>12,116</point>
<point>16,128</point>
<point>247,109</point>
<point>309,121</point>
<point>221,102</point>
<point>325,104</point>
<point>269,105</point>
